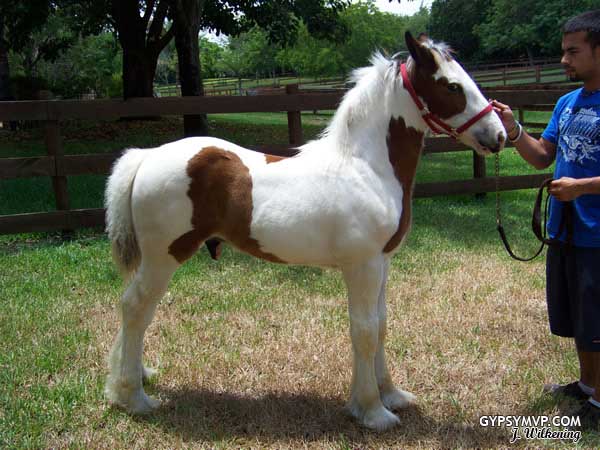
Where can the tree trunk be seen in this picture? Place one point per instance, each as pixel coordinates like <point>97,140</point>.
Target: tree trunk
<point>187,19</point>
<point>5,91</point>
<point>139,67</point>
<point>142,41</point>
<point>188,54</point>
<point>530,56</point>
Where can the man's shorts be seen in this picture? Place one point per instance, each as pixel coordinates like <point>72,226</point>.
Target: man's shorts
<point>573,294</point>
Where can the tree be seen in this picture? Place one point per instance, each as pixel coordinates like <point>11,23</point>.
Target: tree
<point>312,57</point>
<point>187,20</point>
<point>279,18</point>
<point>93,63</point>
<point>510,28</point>
<point>249,54</point>
<point>371,30</point>
<point>453,21</point>
<point>166,69</point>
<point>141,32</point>
<point>5,91</point>
<point>47,42</point>
<point>19,20</point>
<point>210,54</point>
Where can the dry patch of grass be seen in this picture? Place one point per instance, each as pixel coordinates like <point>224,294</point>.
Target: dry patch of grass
<point>468,340</point>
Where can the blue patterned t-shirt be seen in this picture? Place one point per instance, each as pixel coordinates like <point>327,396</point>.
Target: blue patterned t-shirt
<point>575,130</point>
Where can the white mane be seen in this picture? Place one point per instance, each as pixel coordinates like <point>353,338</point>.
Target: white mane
<point>360,104</point>
<point>367,102</point>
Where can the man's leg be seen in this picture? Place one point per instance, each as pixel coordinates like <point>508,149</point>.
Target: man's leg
<point>594,358</point>
<point>588,367</point>
<point>563,309</point>
<point>586,272</point>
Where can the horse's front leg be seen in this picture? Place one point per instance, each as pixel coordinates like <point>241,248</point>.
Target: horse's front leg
<point>364,284</point>
<point>391,397</point>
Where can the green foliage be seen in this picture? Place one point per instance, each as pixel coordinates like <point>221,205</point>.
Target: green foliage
<point>93,64</point>
<point>210,55</point>
<point>248,54</point>
<point>166,69</point>
<point>453,21</point>
<point>24,18</point>
<point>370,30</point>
<point>45,43</point>
<point>311,56</point>
<point>531,27</point>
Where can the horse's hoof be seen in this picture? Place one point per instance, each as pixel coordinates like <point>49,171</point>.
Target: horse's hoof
<point>148,372</point>
<point>140,403</point>
<point>134,401</point>
<point>380,419</point>
<point>397,399</point>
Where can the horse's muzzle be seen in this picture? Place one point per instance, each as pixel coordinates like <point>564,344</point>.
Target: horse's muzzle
<point>493,145</point>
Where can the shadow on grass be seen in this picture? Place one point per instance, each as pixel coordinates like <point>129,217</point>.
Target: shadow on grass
<point>469,223</point>
<point>197,415</point>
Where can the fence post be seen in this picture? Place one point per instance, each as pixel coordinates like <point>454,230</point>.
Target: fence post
<point>478,170</point>
<point>294,120</point>
<point>538,74</point>
<point>55,149</point>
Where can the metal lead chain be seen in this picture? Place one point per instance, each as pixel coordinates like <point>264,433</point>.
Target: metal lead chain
<point>497,180</point>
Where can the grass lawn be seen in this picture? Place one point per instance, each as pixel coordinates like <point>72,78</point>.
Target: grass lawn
<point>252,354</point>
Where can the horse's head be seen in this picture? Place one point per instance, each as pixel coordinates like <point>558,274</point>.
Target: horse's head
<point>449,99</point>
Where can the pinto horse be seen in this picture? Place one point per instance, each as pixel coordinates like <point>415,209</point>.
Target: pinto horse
<point>344,201</point>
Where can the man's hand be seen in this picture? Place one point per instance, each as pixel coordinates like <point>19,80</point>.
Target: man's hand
<point>565,189</point>
<point>506,115</point>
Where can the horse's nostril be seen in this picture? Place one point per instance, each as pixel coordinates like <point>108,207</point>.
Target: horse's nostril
<point>501,137</point>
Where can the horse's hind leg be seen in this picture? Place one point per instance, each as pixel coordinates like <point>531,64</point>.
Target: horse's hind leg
<point>391,397</point>
<point>124,384</point>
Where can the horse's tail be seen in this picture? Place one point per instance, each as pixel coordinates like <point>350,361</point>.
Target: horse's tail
<point>119,220</point>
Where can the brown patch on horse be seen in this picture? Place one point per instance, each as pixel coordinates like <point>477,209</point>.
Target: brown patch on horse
<point>435,93</point>
<point>404,150</point>
<point>274,158</point>
<point>221,194</point>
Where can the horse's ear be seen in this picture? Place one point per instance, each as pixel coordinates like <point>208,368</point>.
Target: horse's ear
<point>421,54</point>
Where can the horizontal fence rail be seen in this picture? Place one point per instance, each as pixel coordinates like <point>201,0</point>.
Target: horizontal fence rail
<point>59,166</point>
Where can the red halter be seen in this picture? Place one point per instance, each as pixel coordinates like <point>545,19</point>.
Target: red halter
<point>437,125</point>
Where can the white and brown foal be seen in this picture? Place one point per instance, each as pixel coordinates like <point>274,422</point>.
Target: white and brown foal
<point>344,201</point>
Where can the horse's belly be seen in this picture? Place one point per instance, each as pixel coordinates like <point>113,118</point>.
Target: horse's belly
<point>320,221</point>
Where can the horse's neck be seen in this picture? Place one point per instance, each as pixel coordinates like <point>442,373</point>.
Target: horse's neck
<point>392,138</point>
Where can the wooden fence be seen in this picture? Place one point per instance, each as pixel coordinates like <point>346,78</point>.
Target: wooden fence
<point>503,73</point>
<point>530,74</point>
<point>511,63</point>
<point>60,166</point>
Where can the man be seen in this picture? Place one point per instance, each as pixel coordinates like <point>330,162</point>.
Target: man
<point>572,138</point>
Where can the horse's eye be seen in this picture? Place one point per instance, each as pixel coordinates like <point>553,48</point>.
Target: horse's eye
<point>454,87</point>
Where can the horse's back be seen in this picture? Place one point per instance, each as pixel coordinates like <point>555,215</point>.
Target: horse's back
<point>304,210</point>
<point>190,190</point>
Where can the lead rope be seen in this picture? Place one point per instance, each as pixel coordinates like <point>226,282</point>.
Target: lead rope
<point>499,226</point>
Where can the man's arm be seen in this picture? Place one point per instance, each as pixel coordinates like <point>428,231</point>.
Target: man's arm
<point>566,189</point>
<point>539,153</point>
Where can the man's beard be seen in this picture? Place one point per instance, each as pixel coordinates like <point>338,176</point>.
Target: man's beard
<point>574,77</point>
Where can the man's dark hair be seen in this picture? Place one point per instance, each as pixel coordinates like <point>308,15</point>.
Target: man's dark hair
<point>588,21</point>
